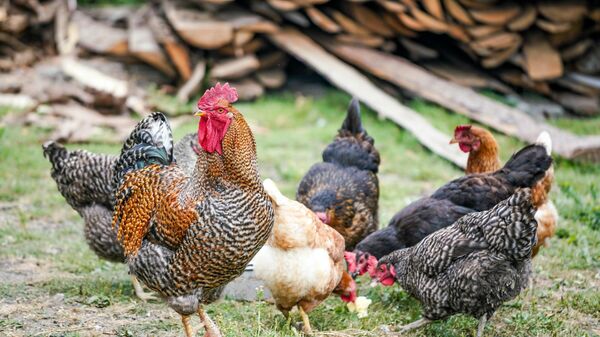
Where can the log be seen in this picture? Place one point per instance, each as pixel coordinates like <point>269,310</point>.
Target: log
<point>523,20</point>
<point>497,15</point>
<point>200,29</point>
<point>350,80</point>
<point>459,13</point>
<point>370,20</point>
<point>235,68</point>
<point>271,78</point>
<point>322,21</point>
<point>193,83</point>
<point>99,37</point>
<point>563,10</point>
<point>465,101</point>
<point>542,61</point>
<point>143,45</point>
<point>176,50</point>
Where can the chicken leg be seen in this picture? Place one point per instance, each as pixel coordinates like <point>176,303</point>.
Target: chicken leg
<point>306,328</point>
<point>187,327</point>
<point>481,325</point>
<point>211,328</point>
<point>139,291</point>
<point>414,325</point>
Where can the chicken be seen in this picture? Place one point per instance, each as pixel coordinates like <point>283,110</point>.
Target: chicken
<point>471,193</point>
<point>85,180</point>
<point>482,148</point>
<point>343,190</point>
<point>303,260</point>
<point>472,266</point>
<point>187,235</point>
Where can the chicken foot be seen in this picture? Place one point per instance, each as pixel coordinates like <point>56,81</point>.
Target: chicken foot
<point>481,326</point>
<point>306,322</point>
<point>414,325</point>
<point>139,291</point>
<point>211,328</point>
<point>187,327</point>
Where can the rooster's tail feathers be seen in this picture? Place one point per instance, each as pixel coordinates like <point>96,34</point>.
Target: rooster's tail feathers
<point>353,122</point>
<point>544,140</point>
<point>151,142</point>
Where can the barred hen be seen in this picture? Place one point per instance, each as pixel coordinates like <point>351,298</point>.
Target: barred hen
<point>303,260</point>
<point>343,190</point>
<point>187,235</point>
<point>482,148</point>
<point>471,267</point>
<point>471,193</point>
<point>86,181</point>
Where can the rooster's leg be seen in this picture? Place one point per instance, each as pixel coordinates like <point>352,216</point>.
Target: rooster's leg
<point>185,319</point>
<point>481,325</point>
<point>306,328</point>
<point>211,328</point>
<point>139,291</point>
<point>414,325</point>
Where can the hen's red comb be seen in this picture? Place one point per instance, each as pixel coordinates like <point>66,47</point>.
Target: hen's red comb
<point>213,96</point>
<point>462,128</point>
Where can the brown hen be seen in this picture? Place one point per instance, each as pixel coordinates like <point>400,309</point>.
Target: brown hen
<point>303,261</point>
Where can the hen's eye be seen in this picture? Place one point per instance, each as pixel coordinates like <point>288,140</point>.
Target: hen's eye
<point>221,110</point>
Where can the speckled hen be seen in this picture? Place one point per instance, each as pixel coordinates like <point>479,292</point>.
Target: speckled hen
<point>471,267</point>
<point>343,190</point>
<point>86,181</point>
<point>187,235</point>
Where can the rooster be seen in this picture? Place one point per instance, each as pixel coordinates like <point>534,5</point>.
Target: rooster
<point>471,193</point>
<point>187,235</point>
<point>471,267</point>
<point>482,148</point>
<point>303,261</point>
<point>343,190</point>
<point>86,181</point>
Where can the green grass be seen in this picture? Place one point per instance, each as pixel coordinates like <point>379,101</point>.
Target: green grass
<point>36,224</point>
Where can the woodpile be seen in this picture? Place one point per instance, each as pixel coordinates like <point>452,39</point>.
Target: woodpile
<point>548,47</point>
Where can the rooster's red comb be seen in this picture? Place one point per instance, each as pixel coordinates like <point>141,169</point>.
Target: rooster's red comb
<point>215,95</point>
<point>462,128</point>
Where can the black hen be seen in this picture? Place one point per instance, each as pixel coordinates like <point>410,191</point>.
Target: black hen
<point>87,180</point>
<point>471,193</point>
<point>471,267</point>
<point>343,190</point>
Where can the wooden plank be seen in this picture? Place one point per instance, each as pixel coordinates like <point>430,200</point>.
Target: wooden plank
<point>352,81</point>
<point>465,101</point>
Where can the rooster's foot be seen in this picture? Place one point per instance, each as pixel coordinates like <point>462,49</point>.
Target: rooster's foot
<point>211,328</point>
<point>139,291</point>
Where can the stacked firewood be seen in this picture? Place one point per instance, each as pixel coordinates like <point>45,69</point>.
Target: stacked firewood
<point>551,47</point>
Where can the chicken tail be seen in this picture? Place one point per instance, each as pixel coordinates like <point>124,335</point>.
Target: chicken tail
<point>527,166</point>
<point>353,122</point>
<point>510,226</point>
<point>276,196</point>
<point>544,140</point>
<point>151,142</point>
<point>353,146</point>
<point>56,154</point>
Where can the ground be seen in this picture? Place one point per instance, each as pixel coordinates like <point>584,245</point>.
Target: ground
<point>51,284</point>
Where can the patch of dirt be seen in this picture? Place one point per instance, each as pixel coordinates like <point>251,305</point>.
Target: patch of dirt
<point>28,271</point>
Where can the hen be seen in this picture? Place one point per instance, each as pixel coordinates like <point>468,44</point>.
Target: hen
<point>187,235</point>
<point>471,267</point>
<point>482,148</point>
<point>303,261</point>
<point>86,181</point>
<point>471,193</point>
<point>343,190</point>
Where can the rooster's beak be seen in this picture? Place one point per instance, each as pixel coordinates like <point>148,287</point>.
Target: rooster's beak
<point>453,141</point>
<point>200,113</point>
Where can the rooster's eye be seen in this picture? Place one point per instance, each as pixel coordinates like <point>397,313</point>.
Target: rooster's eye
<point>221,110</point>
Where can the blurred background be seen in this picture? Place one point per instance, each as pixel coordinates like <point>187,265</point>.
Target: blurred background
<point>84,72</point>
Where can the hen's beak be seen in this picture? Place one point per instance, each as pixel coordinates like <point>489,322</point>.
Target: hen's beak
<point>453,141</point>
<point>200,113</point>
